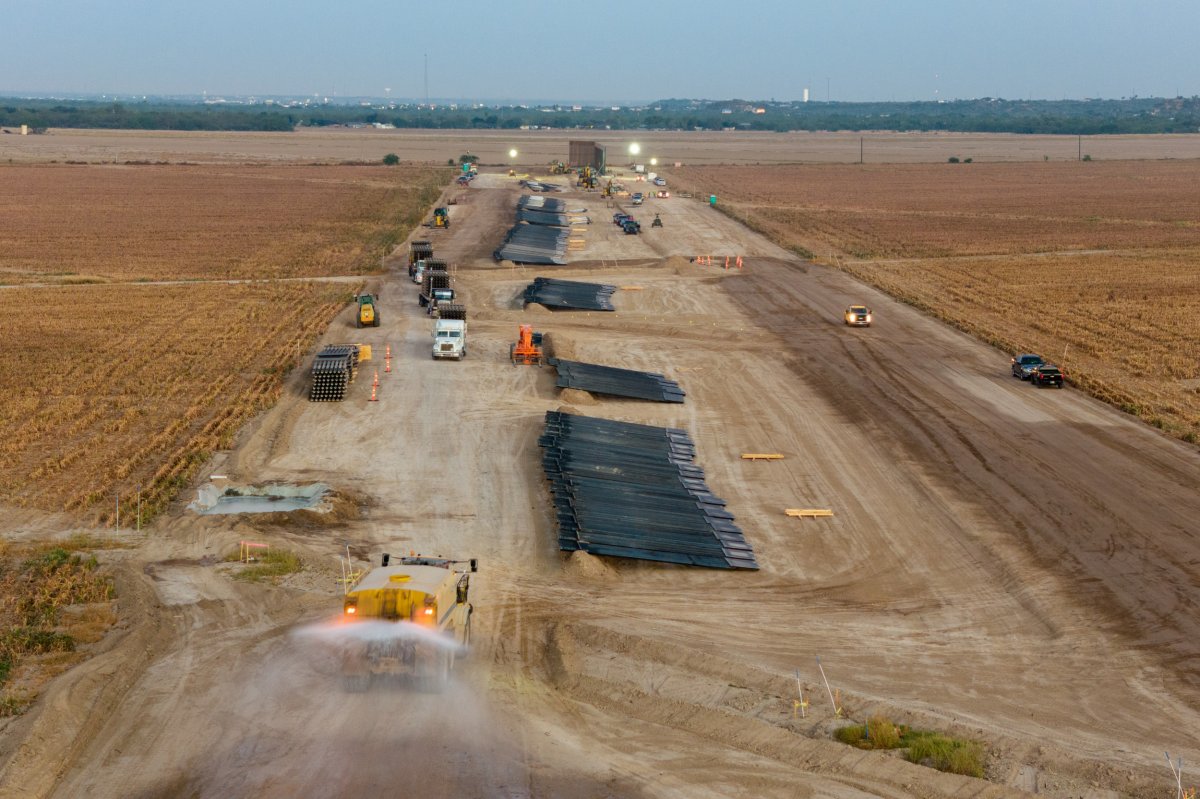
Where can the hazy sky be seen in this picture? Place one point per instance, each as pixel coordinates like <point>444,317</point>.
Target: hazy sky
<point>605,50</point>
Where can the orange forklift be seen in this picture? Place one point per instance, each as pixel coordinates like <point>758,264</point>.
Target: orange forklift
<point>527,350</point>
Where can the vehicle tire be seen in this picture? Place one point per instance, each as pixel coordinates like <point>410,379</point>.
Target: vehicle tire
<point>376,321</point>
<point>358,322</point>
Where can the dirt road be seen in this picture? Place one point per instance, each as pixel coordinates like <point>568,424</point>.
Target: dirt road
<point>1004,563</point>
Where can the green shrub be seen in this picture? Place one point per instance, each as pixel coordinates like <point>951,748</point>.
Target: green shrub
<point>953,755</point>
<point>878,733</point>
<point>952,159</point>
<point>275,563</point>
<point>391,159</point>
<point>942,752</point>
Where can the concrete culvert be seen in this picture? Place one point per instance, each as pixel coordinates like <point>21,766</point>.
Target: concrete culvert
<point>213,500</point>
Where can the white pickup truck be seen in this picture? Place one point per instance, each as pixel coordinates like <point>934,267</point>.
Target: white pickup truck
<point>450,339</point>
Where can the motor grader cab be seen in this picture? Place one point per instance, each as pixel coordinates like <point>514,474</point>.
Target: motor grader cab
<point>427,599</point>
<point>368,310</point>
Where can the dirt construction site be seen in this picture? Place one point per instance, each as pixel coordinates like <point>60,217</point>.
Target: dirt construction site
<point>1007,565</point>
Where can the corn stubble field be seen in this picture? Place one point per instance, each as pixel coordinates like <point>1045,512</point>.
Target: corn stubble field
<point>1095,265</point>
<point>112,384</point>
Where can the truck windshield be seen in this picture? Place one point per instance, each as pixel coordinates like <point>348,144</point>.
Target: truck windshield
<point>449,334</point>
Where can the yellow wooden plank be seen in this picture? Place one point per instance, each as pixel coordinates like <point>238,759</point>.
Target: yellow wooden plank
<point>761,456</point>
<point>364,352</point>
<point>812,513</point>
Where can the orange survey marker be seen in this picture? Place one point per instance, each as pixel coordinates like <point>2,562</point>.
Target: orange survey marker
<point>246,548</point>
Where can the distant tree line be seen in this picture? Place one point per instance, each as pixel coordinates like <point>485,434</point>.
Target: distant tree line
<point>989,115</point>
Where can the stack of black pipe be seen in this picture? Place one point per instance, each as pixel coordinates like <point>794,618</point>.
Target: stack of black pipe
<point>554,293</point>
<point>634,491</point>
<point>333,370</point>
<point>617,382</point>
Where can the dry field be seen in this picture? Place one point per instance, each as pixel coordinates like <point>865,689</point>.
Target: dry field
<point>1096,265</point>
<point>115,387</point>
<point>113,380</point>
<point>83,224</point>
<point>537,147</point>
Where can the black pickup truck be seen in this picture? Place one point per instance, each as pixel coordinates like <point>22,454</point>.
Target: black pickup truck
<point>1046,375</point>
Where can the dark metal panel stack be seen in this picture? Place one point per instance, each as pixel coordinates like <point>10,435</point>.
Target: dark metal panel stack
<point>333,370</point>
<point>554,293</point>
<point>534,244</point>
<point>546,218</point>
<point>551,205</point>
<point>617,382</point>
<point>634,491</point>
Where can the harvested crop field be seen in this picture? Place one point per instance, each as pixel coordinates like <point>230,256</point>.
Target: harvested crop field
<point>115,387</point>
<point>86,224</point>
<point>1095,265</point>
<point>133,348</point>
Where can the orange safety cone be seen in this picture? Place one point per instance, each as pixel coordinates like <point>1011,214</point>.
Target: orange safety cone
<point>739,262</point>
<point>726,261</point>
<point>388,354</point>
<point>374,388</point>
<point>376,379</point>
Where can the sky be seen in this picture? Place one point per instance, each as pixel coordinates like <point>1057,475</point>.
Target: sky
<point>605,51</point>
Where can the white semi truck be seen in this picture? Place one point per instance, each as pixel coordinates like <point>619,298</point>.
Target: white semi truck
<point>450,338</point>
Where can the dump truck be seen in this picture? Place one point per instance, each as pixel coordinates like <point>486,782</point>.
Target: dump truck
<point>428,601</point>
<point>450,339</point>
<point>418,251</point>
<point>435,283</point>
<point>368,310</point>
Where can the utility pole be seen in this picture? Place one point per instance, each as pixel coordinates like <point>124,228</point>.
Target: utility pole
<point>1079,154</point>
<point>860,149</point>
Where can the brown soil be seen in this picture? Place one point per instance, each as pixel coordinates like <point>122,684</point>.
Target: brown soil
<point>1010,565</point>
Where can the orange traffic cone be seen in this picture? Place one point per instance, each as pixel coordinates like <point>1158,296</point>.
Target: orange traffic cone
<point>374,387</point>
<point>376,379</point>
<point>387,364</point>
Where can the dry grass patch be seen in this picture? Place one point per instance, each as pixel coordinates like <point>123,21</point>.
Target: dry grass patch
<point>52,601</point>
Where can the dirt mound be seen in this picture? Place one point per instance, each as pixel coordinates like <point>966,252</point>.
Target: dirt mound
<point>557,345</point>
<point>577,396</point>
<point>586,566</point>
